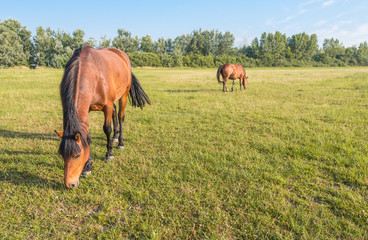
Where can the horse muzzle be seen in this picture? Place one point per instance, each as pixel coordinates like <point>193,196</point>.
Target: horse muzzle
<point>72,184</point>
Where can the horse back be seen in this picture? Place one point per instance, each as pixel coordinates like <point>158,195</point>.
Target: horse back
<point>105,73</point>
<point>233,71</point>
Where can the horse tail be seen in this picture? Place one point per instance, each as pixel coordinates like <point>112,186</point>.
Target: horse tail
<point>137,96</point>
<point>219,73</point>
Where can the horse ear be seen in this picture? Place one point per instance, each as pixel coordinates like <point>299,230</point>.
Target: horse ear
<point>59,133</point>
<point>77,137</point>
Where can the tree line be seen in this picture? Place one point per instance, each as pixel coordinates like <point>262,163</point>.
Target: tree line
<point>200,48</point>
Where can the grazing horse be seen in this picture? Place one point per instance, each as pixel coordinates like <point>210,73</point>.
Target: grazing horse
<point>231,71</point>
<point>93,80</point>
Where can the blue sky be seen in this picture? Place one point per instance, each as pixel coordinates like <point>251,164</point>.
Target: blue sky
<point>346,20</point>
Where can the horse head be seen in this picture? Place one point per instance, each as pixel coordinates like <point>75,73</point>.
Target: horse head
<point>245,81</point>
<point>75,150</point>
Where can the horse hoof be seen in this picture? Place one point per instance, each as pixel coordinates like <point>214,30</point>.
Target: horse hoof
<point>86,173</point>
<point>108,158</point>
<point>120,147</point>
<point>115,140</point>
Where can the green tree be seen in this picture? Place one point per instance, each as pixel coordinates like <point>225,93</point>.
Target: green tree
<point>61,54</point>
<point>54,49</point>
<point>279,48</point>
<point>159,46</point>
<point>44,43</point>
<point>125,42</point>
<point>11,48</point>
<point>169,46</point>
<point>146,44</point>
<point>362,54</point>
<point>303,47</point>
<point>25,37</point>
<point>91,42</point>
<point>104,42</point>
<point>333,48</point>
<point>255,50</point>
<point>224,43</point>
<point>265,49</point>
<point>77,39</point>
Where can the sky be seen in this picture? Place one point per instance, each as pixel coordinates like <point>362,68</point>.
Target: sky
<point>345,20</point>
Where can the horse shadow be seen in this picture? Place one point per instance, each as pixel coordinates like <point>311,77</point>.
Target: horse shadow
<point>27,135</point>
<point>188,90</point>
<point>24,178</point>
<point>9,157</point>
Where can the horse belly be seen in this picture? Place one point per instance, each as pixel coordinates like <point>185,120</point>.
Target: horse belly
<point>96,107</point>
<point>233,76</point>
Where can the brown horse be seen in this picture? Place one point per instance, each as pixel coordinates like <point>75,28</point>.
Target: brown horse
<point>231,71</point>
<point>93,80</point>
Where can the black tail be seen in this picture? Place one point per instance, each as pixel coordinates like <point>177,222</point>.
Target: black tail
<point>137,96</point>
<point>219,73</point>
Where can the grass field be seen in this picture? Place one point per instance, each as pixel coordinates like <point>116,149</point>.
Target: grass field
<point>285,159</point>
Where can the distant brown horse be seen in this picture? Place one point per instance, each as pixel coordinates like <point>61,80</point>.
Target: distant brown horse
<point>231,71</point>
<point>93,80</point>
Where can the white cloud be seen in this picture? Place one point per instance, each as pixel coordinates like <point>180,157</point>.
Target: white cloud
<point>328,3</point>
<point>309,2</point>
<point>360,34</point>
<point>269,22</point>
<point>348,37</point>
<point>287,19</point>
<point>320,23</point>
<point>346,21</point>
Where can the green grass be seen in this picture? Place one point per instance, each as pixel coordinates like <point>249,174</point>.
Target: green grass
<point>285,159</point>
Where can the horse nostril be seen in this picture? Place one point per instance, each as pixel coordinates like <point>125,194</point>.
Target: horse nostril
<point>72,185</point>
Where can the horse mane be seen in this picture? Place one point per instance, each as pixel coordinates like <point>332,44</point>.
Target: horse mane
<point>71,121</point>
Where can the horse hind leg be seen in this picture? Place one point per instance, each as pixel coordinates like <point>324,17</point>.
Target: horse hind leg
<point>108,111</point>
<point>224,88</point>
<point>121,116</point>
<point>116,125</point>
<point>232,88</point>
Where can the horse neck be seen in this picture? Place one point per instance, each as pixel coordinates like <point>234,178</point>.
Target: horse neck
<point>81,102</point>
<point>83,118</point>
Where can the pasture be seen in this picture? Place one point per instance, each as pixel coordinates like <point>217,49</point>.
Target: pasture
<point>285,159</point>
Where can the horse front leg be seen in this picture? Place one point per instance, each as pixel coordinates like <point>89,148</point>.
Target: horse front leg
<point>87,169</point>
<point>108,110</point>
<point>232,88</point>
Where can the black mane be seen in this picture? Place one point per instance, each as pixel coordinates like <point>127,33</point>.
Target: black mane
<point>71,122</point>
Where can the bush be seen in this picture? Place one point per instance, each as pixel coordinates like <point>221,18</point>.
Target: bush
<point>143,59</point>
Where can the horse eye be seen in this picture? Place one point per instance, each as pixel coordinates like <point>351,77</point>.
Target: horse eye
<point>77,156</point>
